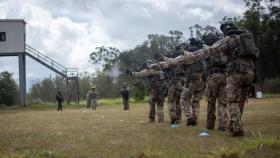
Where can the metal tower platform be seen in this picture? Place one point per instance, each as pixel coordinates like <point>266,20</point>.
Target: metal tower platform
<point>67,73</point>
<point>13,43</point>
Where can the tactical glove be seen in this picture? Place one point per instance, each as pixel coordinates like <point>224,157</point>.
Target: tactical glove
<point>129,72</point>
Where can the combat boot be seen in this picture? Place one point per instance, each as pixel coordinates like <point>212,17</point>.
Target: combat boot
<point>189,121</point>
<point>209,127</point>
<point>237,134</point>
<point>194,122</point>
<point>152,120</point>
<point>221,128</point>
<point>173,121</point>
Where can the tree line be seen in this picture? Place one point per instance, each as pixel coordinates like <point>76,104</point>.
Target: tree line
<point>262,19</point>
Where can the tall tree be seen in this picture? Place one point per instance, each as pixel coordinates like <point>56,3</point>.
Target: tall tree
<point>262,19</point>
<point>8,89</point>
<point>105,57</point>
<point>199,32</point>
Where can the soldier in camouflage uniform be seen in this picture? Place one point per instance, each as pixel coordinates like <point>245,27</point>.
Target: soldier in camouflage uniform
<point>215,87</point>
<point>191,96</point>
<point>174,94</point>
<point>194,86</point>
<point>93,97</point>
<point>194,78</point>
<point>241,74</point>
<point>238,46</point>
<point>157,91</point>
<point>175,78</point>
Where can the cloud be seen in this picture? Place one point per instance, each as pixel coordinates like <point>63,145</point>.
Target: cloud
<point>203,15</point>
<point>62,37</point>
<point>3,10</point>
<point>147,12</point>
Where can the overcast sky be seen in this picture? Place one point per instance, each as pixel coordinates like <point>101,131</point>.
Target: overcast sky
<point>68,30</point>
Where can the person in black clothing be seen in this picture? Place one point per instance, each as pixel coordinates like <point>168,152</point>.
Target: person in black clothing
<point>125,95</point>
<point>59,100</point>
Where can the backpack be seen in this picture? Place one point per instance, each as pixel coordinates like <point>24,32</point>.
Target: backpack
<point>247,46</point>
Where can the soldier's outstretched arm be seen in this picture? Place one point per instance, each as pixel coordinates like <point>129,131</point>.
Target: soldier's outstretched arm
<point>145,73</point>
<point>218,48</point>
<point>168,62</point>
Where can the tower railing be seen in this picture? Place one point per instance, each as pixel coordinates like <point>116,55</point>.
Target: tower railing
<point>68,73</point>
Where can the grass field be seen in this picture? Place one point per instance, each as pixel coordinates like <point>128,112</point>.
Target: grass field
<point>111,132</point>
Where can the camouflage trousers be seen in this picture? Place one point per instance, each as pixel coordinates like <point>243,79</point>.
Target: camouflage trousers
<point>156,106</point>
<point>215,90</point>
<point>174,107</point>
<point>190,98</point>
<point>93,103</point>
<point>236,90</point>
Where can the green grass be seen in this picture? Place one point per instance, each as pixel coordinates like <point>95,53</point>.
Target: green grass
<point>101,102</point>
<point>277,95</point>
<point>111,132</point>
<point>255,147</point>
<point>118,101</point>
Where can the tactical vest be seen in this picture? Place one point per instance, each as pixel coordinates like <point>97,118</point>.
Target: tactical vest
<point>196,71</point>
<point>180,82</point>
<point>179,72</point>
<point>217,64</point>
<point>169,73</point>
<point>198,67</point>
<point>93,95</point>
<point>158,87</point>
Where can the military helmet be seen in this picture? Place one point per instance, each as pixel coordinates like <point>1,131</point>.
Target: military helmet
<point>210,38</point>
<point>180,46</point>
<point>228,26</point>
<point>93,87</point>
<point>158,57</point>
<point>193,41</point>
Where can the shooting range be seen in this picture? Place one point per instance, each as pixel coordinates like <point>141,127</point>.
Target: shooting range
<point>140,79</point>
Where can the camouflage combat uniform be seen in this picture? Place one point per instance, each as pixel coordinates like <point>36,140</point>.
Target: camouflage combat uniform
<point>92,95</point>
<point>240,69</point>
<point>237,88</point>
<point>193,91</point>
<point>215,90</point>
<point>176,84</point>
<point>157,91</point>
